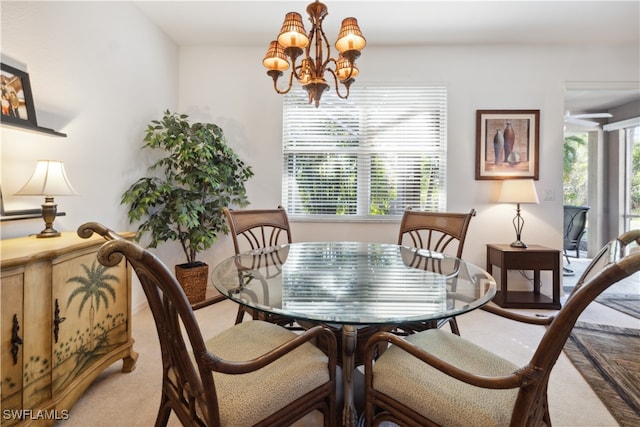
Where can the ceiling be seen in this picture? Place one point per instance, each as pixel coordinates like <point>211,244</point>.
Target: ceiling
<point>414,23</point>
<point>388,23</point>
<point>595,100</point>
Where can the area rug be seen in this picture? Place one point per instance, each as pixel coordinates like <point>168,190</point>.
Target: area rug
<point>608,358</point>
<point>626,303</point>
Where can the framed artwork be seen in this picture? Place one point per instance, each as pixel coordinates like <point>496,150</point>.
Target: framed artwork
<point>17,101</point>
<point>507,144</point>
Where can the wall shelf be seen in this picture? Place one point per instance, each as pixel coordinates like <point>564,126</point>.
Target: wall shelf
<point>26,214</point>
<point>17,214</point>
<point>31,128</point>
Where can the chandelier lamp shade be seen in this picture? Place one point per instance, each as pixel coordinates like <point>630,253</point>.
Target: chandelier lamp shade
<point>49,179</point>
<point>316,65</point>
<point>518,191</point>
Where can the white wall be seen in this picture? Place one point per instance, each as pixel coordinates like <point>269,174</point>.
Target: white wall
<point>243,102</point>
<point>99,72</point>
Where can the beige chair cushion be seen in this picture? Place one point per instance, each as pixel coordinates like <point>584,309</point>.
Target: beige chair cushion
<point>439,397</point>
<point>248,398</point>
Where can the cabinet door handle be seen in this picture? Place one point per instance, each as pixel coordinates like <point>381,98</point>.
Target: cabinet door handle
<point>57,320</point>
<point>16,341</point>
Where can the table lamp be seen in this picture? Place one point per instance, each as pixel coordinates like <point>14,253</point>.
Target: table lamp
<point>518,191</point>
<point>49,179</point>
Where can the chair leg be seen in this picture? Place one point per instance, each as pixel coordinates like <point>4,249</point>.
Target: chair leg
<point>163,412</point>
<point>567,271</point>
<point>453,323</point>
<point>566,256</point>
<point>240,314</point>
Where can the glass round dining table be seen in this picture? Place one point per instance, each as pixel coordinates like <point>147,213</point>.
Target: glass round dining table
<point>351,285</point>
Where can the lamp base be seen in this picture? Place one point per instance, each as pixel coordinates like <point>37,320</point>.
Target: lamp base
<point>519,244</point>
<point>49,211</point>
<point>48,232</point>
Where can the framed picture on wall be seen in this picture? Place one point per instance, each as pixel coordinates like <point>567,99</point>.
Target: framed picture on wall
<point>17,101</point>
<point>507,144</point>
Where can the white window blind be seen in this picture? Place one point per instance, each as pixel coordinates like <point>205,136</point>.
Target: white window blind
<point>367,157</point>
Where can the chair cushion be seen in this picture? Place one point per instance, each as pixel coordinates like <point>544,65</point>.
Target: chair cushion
<point>439,397</point>
<point>248,398</point>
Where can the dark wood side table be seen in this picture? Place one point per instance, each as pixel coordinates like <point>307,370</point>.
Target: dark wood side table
<point>533,258</point>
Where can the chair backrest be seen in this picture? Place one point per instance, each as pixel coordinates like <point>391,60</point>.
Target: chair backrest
<point>436,231</point>
<point>619,259</point>
<point>575,221</point>
<point>172,312</point>
<point>259,228</point>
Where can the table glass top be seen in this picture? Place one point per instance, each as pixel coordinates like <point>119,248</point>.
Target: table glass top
<point>353,282</point>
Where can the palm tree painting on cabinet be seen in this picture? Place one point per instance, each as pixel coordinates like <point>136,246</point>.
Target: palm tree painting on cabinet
<point>92,288</point>
<point>93,294</point>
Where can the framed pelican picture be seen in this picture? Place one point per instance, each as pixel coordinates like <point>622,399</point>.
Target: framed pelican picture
<point>507,144</point>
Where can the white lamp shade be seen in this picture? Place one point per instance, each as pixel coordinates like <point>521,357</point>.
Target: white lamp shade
<point>518,191</point>
<point>49,179</point>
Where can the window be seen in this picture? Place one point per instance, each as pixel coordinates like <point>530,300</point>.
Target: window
<point>576,169</point>
<point>368,157</point>
<point>632,181</point>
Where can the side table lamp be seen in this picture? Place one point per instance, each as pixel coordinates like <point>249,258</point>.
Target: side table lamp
<point>49,179</point>
<point>518,191</point>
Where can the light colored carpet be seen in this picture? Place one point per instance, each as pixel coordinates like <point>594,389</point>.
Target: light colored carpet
<point>118,399</point>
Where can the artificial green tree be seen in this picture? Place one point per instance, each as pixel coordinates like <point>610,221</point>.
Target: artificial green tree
<point>183,197</point>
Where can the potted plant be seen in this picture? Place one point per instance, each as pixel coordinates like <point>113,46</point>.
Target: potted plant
<point>183,197</point>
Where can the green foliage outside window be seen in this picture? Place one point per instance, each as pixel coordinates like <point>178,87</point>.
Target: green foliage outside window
<point>382,192</point>
<point>327,183</point>
<point>575,166</point>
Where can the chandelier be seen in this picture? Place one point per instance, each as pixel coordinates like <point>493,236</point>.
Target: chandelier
<point>314,65</point>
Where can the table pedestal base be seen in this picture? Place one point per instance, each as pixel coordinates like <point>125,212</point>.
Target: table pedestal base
<point>349,341</point>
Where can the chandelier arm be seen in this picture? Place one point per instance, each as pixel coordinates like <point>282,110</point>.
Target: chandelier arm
<point>295,70</point>
<point>330,60</point>
<point>346,83</point>
<point>275,77</point>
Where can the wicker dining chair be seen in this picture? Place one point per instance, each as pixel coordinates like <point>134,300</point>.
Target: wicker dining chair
<point>254,229</point>
<point>438,378</point>
<point>254,373</point>
<point>435,231</point>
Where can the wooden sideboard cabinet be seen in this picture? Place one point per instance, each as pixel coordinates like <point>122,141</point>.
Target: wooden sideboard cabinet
<point>64,318</point>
